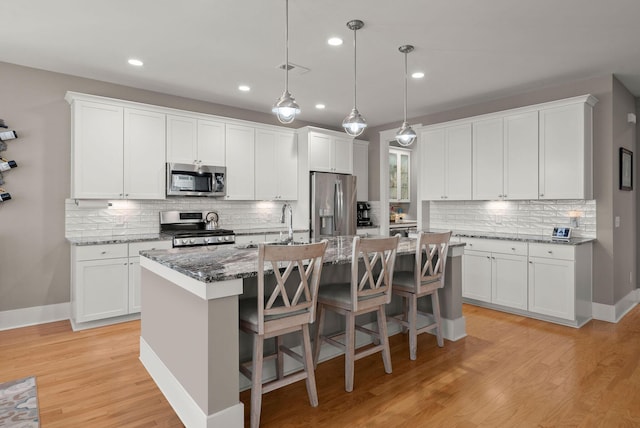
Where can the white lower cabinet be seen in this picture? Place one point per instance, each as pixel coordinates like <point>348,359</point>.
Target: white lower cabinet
<point>547,281</point>
<point>105,280</point>
<point>495,271</point>
<point>560,281</point>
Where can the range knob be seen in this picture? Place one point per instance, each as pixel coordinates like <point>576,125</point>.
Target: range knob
<point>207,240</point>
<point>192,241</point>
<point>228,238</point>
<point>185,241</point>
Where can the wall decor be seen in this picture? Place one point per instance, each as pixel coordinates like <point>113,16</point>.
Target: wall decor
<point>626,169</point>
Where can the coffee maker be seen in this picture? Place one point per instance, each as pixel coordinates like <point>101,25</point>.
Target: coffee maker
<point>363,212</point>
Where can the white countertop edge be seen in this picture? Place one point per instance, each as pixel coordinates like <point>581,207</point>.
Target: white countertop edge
<point>206,291</point>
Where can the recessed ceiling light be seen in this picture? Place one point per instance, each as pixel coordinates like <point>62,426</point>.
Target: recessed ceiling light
<point>418,75</point>
<point>335,41</point>
<point>135,62</point>
<point>244,88</point>
<point>320,106</point>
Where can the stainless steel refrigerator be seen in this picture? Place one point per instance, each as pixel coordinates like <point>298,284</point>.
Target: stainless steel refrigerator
<point>333,205</point>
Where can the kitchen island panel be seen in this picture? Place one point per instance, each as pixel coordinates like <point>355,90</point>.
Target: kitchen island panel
<point>189,335</point>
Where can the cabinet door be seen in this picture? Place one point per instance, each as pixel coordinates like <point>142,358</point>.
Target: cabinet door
<point>458,162</point>
<point>562,153</point>
<point>144,154</point>
<point>551,287</point>
<point>102,288</point>
<point>135,301</point>
<point>211,142</point>
<point>476,275</point>
<point>343,155</point>
<point>97,156</point>
<point>320,152</point>
<point>286,156</point>
<point>433,164</point>
<point>240,161</point>
<point>393,177</point>
<point>361,169</point>
<point>509,275</point>
<point>266,165</point>
<point>182,139</point>
<point>488,159</point>
<point>521,156</point>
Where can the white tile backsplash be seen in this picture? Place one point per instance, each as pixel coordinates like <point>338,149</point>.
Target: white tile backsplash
<point>520,217</point>
<point>129,217</point>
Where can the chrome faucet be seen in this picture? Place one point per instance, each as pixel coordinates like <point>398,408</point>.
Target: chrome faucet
<point>282,220</point>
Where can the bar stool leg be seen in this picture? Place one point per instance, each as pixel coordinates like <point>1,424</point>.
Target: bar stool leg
<point>413,322</point>
<point>308,366</point>
<point>349,355</point>
<point>256,387</point>
<point>384,338</point>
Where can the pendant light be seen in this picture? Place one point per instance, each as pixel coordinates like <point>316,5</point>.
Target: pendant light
<point>405,135</point>
<point>286,107</point>
<point>354,123</point>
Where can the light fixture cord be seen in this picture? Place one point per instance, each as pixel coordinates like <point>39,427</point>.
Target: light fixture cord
<point>405,86</point>
<point>286,44</point>
<point>355,79</point>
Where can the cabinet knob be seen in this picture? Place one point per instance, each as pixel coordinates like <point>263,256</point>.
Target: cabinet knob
<point>541,194</point>
<point>103,252</point>
<point>513,248</point>
<point>488,257</point>
<point>504,196</point>
<point>550,252</point>
<point>125,264</point>
<point>530,263</point>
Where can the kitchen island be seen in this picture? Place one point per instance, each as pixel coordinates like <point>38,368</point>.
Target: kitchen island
<point>190,339</point>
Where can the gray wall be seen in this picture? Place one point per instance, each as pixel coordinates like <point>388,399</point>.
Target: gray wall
<point>610,279</point>
<point>34,255</point>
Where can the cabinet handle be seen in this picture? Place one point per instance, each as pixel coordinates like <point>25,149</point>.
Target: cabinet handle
<point>488,257</point>
<point>121,194</point>
<point>504,196</point>
<point>541,194</point>
<point>513,248</point>
<point>126,194</point>
<point>550,252</point>
<point>125,264</point>
<point>530,263</point>
<point>103,252</point>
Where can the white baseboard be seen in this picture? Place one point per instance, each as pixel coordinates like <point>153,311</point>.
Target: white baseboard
<point>182,403</point>
<point>614,313</point>
<point>35,315</point>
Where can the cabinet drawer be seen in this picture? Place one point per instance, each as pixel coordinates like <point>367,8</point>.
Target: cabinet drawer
<point>96,252</point>
<point>496,246</point>
<point>552,251</point>
<point>136,247</point>
<point>250,239</point>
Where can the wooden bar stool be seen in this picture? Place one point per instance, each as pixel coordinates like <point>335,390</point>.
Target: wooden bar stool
<point>425,280</point>
<point>368,291</point>
<point>281,313</point>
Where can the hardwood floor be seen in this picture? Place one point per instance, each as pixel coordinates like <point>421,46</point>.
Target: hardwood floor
<point>509,371</point>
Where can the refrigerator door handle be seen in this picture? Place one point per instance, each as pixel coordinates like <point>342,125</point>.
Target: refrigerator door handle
<point>338,206</point>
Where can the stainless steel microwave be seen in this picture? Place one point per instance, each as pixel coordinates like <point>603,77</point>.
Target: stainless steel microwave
<point>195,180</point>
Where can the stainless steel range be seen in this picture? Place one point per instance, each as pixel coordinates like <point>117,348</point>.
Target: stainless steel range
<point>192,228</point>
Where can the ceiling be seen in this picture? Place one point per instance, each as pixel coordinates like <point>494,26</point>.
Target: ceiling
<point>470,50</point>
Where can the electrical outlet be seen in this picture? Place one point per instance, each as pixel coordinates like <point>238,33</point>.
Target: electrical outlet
<point>617,221</point>
<point>630,277</point>
<point>120,221</point>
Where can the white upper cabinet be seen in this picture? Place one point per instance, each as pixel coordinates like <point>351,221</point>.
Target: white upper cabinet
<point>399,175</point>
<point>144,158</point>
<point>240,162</point>
<point>446,162</point>
<point>329,151</point>
<point>193,140</point>
<point>505,157</point>
<point>276,163</point>
<point>565,170</point>
<point>117,152</point>
<point>361,168</point>
<point>98,150</point>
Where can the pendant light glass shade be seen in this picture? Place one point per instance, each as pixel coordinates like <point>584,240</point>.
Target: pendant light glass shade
<point>286,109</point>
<point>405,135</point>
<point>354,124</point>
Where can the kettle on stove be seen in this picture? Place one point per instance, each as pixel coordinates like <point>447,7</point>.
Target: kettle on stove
<point>211,220</point>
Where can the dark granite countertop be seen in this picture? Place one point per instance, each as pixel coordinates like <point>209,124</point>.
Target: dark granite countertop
<point>523,237</point>
<point>224,262</point>
<point>266,231</point>
<point>124,239</point>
